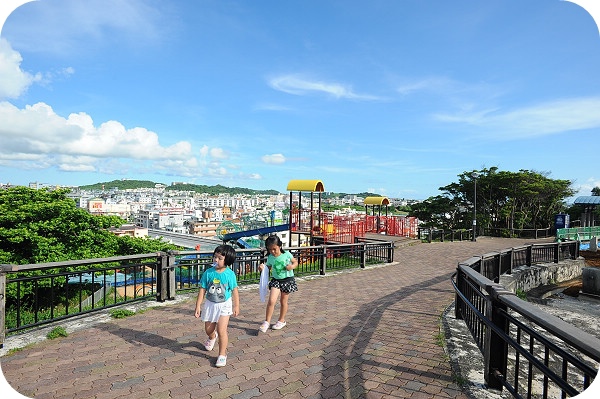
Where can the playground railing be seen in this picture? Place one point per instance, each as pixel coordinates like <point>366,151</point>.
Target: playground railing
<point>37,294</point>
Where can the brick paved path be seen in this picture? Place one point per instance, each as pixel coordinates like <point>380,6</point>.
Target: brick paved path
<point>364,334</point>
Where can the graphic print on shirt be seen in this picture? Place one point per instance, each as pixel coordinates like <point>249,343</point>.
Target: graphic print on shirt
<point>216,291</point>
<point>280,266</point>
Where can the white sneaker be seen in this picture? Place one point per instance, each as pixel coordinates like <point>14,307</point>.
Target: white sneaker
<point>210,343</point>
<point>264,326</point>
<point>279,325</point>
<point>221,361</point>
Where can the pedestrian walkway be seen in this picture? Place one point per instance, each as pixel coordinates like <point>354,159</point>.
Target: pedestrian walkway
<point>371,333</point>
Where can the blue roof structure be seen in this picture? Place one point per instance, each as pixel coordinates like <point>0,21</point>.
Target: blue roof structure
<point>588,200</point>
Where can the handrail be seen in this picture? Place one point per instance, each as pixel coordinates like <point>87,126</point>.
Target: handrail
<point>44,293</point>
<point>494,316</point>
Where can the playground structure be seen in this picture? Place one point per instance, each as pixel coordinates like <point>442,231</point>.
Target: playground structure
<point>311,226</point>
<point>320,227</point>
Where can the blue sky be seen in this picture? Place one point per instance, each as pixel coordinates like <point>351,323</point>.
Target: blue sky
<point>394,97</point>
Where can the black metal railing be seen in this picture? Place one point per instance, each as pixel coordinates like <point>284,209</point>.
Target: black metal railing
<point>495,264</point>
<point>430,234</point>
<point>527,351</point>
<point>36,294</point>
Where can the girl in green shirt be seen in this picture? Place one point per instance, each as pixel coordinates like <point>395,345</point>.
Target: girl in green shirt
<point>282,265</point>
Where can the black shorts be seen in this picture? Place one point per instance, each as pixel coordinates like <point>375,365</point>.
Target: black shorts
<point>286,285</point>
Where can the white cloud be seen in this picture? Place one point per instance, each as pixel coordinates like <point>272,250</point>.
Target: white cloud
<point>586,188</point>
<point>434,84</point>
<point>38,129</point>
<point>219,153</point>
<point>38,136</point>
<point>13,80</point>
<point>273,159</point>
<point>76,25</point>
<point>296,85</point>
<point>534,121</point>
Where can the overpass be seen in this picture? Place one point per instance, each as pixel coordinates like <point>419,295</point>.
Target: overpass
<point>185,240</point>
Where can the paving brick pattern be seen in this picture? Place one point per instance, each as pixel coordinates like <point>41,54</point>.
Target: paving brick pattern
<point>364,334</point>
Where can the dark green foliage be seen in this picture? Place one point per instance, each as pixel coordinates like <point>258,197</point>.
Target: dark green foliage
<point>505,200</point>
<point>218,189</point>
<point>197,188</point>
<point>120,184</point>
<point>40,226</point>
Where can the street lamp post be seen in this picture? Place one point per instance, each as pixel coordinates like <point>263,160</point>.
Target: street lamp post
<point>475,175</point>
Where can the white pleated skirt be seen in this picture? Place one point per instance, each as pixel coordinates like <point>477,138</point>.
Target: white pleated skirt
<point>211,311</point>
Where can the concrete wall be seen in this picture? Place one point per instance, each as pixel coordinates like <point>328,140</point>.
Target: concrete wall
<point>526,278</point>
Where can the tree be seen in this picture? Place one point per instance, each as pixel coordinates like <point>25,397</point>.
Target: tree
<point>38,226</point>
<point>505,201</point>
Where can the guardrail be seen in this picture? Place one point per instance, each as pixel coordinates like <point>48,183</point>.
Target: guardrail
<point>578,233</point>
<point>527,351</point>
<point>430,234</point>
<point>37,294</point>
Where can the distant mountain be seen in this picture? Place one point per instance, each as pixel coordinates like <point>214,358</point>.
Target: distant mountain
<point>198,188</point>
<point>120,184</point>
<point>218,189</point>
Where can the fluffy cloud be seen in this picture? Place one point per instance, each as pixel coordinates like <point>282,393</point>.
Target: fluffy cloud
<point>273,159</point>
<point>37,129</point>
<point>13,80</point>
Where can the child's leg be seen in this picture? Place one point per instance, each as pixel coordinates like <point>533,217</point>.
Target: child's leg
<point>273,294</point>
<point>283,306</point>
<point>223,337</point>
<point>210,327</point>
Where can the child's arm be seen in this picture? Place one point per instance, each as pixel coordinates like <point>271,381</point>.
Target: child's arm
<point>293,264</point>
<point>236,301</point>
<point>199,302</point>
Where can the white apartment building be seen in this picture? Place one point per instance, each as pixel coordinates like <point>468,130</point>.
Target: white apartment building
<point>98,206</point>
<point>170,219</point>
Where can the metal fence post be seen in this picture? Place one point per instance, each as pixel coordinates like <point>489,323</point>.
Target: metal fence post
<point>457,299</point>
<point>323,261</point>
<point>161,277</point>
<point>495,351</point>
<point>556,252</point>
<point>2,307</point>
<point>171,277</point>
<point>363,256</point>
<point>390,253</point>
<point>529,255</point>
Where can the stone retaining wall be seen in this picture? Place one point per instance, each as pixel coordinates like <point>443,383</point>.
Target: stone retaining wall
<point>526,278</point>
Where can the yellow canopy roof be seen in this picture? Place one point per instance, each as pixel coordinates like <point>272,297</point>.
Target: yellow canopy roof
<point>377,201</point>
<point>305,185</point>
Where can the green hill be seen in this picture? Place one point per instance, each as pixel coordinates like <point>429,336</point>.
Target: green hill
<point>198,188</point>
<point>218,189</point>
<point>120,184</point>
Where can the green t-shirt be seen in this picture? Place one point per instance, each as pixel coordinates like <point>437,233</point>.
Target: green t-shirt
<point>278,264</point>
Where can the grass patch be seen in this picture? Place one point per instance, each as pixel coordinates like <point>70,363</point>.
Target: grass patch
<point>521,294</point>
<point>460,380</point>
<point>57,332</point>
<point>440,339</point>
<point>121,313</point>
